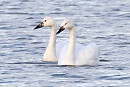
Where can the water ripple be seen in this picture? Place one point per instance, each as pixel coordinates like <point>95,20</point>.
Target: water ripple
<point>105,22</point>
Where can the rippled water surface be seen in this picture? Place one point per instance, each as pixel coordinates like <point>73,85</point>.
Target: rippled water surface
<point>106,22</point>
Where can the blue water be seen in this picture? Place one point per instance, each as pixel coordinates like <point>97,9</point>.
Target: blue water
<point>106,22</point>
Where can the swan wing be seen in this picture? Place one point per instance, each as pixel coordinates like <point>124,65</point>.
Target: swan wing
<point>59,48</point>
<point>88,55</point>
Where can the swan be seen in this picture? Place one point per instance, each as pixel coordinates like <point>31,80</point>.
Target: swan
<point>51,55</point>
<point>75,53</point>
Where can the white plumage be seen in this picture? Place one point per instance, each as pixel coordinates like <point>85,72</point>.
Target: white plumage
<point>51,55</point>
<point>74,53</point>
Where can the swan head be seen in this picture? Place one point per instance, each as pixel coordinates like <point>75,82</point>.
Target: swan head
<point>46,22</point>
<point>66,24</point>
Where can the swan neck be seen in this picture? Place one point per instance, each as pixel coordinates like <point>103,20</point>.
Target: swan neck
<point>71,47</point>
<point>50,53</point>
<point>72,37</point>
<point>52,41</point>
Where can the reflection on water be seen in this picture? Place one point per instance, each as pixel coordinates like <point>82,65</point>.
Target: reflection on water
<point>102,21</point>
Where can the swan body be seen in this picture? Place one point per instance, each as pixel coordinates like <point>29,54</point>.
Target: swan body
<point>74,53</point>
<point>50,52</point>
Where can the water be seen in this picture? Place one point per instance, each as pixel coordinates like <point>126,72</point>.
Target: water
<point>106,22</point>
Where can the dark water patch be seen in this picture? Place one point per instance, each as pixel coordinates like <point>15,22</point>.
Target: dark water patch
<point>75,66</point>
<point>85,66</point>
<point>34,25</point>
<point>22,27</point>
<point>66,75</point>
<point>88,27</point>
<point>24,50</point>
<point>5,73</point>
<point>121,46</point>
<point>36,43</point>
<point>116,75</point>
<point>3,54</point>
<point>119,68</point>
<point>32,36</point>
<point>57,9</point>
<point>4,81</point>
<point>23,38</point>
<point>83,37</point>
<point>18,47</point>
<point>5,28</point>
<point>27,63</point>
<point>115,9</point>
<point>90,16</point>
<point>102,38</point>
<point>120,35</point>
<point>15,13</point>
<point>75,76</point>
<point>2,12</point>
<point>36,53</point>
<point>5,2</point>
<point>1,80</point>
<point>69,4</point>
<point>18,77</point>
<point>61,66</point>
<point>25,0</point>
<point>8,82</point>
<point>116,68</point>
<point>21,44</point>
<point>37,14</point>
<point>79,82</point>
<point>37,22</point>
<point>111,15</point>
<point>14,8</point>
<point>59,75</point>
<point>104,77</point>
<point>107,53</point>
<point>1,5</point>
<point>119,26</point>
<point>103,60</point>
<point>21,77</point>
<point>113,35</point>
<point>122,43</point>
<point>40,65</point>
<point>118,78</point>
<point>30,18</point>
<point>15,69</point>
<point>126,15</point>
<point>8,46</point>
<point>56,13</point>
<point>48,64</point>
<point>71,66</point>
<point>40,47</point>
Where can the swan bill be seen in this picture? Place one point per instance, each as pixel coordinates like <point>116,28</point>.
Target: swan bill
<point>60,30</point>
<point>39,26</point>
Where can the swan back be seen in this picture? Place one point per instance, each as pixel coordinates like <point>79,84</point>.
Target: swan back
<point>88,55</point>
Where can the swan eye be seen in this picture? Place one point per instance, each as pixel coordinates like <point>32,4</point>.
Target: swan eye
<point>45,20</point>
<point>65,23</point>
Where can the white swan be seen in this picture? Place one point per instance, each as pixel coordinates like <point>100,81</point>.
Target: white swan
<point>50,53</point>
<point>77,54</point>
